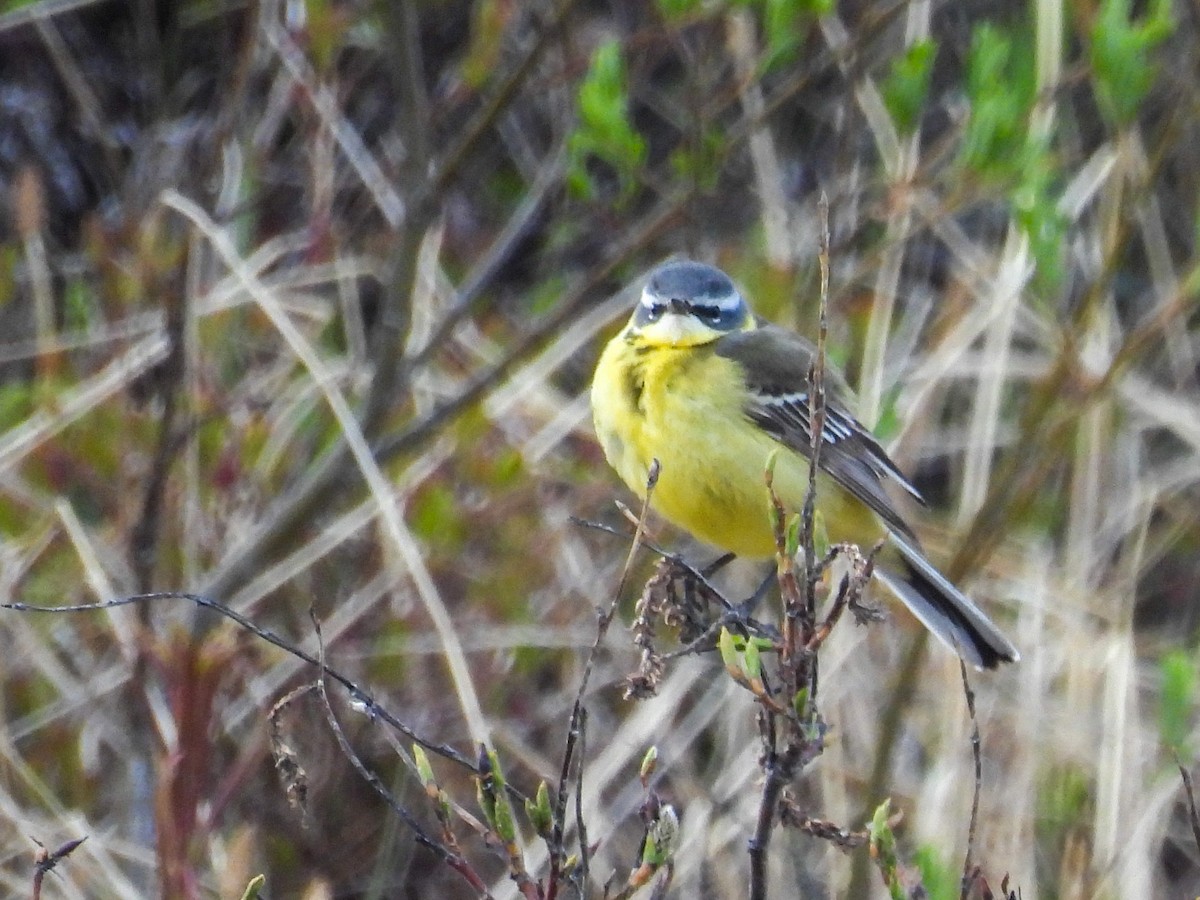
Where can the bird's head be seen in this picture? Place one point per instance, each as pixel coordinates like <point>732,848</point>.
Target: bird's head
<point>686,304</point>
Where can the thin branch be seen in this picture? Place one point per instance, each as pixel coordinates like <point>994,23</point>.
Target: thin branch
<point>574,732</point>
<point>816,422</point>
<point>474,131</point>
<point>332,476</point>
<point>798,663</point>
<point>501,249</point>
<point>700,575</point>
<point>358,695</point>
<point>445,854</point>
<point>143,540</point>
<point>580,824</point>
<point>45,861</point>
<point>779,773</point>
<point>969,873</point>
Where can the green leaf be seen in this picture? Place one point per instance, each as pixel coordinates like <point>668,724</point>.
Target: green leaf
<point>78,302</point>
<point>1177,702</point>
<point>680,9</point>
<point>604,131</point>
<point>783,29</point>
<point>1120,56</point>
<point>752,661</point>
<point>489,18</point>
<point>1000,88</point>
<point>424,769</point>
<point>998,143</point>
<point>883,850</point>
<point>907,85</point>
<point>538,811</point>
<point>502,815</point>
<point>730,657</point>
<point>699,160</point>
<point>792,536</point>
<point>16,403</point>
<point>940,880</point>
<point>820,536</point>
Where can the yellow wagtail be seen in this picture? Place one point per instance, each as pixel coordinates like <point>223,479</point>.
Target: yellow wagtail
<point>700,383</point>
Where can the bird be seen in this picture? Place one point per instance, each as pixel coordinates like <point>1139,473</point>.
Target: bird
<point>710,390</point>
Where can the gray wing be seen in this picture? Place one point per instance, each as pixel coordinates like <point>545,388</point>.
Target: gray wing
<point>777,364</point>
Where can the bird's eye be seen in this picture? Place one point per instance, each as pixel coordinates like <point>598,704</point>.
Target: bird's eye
<point>710,314</point>
<point>654,313</point>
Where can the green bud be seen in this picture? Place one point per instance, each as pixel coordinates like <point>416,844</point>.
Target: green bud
<point>662,839</point>
<point>883,850</point>
<point>487,803</point>
<point>502,817</point>
<point>253,887</point>
<point>424,769</point>
<point>538,811</point>
<point>729,654</point>
<point>497,772</point>
<point>769,467</point>
<point>879,827</point>
<point>792,541</point>
<point>820,537</point>
<point>504,825</point>
<point>485,787</point>
<point>752,662</point>
<point>649,763</point>
<point>800,702</point>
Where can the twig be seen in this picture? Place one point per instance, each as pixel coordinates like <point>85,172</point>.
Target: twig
<point>577,710</point>
<point>497,254</point>
<point>700,575</point>
<point>45,861</point>
<point>899,700</point>
<point>779,772</point>
<point>456,862</point>
<point>969,875</point>
<point>358,695</point>
<point>816,420</point>
<point>168,378</point>
<point>580,825</point>
<point>332,475</point>
<point>792,816</point>
<point>850,590</point>
<point>798,662</point>
<point>474,130</point>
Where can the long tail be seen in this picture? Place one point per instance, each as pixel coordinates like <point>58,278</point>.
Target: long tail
<point>944,609</point>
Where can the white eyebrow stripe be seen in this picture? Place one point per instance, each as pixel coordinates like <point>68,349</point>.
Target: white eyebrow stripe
<point>728,302</point>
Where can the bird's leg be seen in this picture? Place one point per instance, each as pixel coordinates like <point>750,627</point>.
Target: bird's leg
<point>746,607</point>
<point>718,564</point>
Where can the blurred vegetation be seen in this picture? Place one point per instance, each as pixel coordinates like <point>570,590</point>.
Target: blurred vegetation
<point>246,248</point>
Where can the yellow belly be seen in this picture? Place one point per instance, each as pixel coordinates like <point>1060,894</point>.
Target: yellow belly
<point>683,406</point>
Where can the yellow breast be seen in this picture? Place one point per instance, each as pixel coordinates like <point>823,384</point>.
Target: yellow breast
<point>684,406</point>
